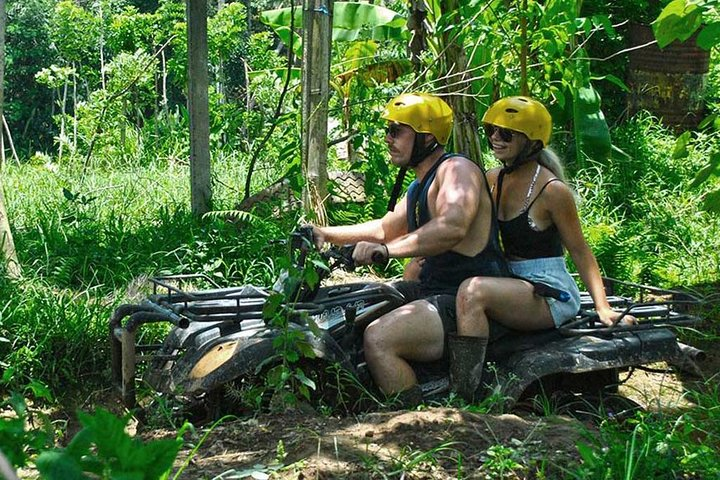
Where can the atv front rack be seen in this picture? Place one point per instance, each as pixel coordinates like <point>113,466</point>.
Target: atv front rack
<point>170,304</point>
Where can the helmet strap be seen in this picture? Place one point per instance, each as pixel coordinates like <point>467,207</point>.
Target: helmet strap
<point>528,154</point>
<point>421,151</point>
<point>396,189</point>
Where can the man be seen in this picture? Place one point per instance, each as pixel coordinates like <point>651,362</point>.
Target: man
<point>447,217</point>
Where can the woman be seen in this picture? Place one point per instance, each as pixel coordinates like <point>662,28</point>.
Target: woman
<point>538,219</point>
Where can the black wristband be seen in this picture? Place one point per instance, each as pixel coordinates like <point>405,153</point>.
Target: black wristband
<point>387,252</point>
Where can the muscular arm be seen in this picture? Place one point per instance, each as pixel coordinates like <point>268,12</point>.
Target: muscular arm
<point>381,230</point>
<point>453,200</point>
<point>564,215</point>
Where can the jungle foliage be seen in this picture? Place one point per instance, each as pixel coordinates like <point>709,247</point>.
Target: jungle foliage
<point>99,200</point>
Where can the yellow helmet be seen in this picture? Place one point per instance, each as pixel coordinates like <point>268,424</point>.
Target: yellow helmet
<point>522,114</point>
<point>422,112</point>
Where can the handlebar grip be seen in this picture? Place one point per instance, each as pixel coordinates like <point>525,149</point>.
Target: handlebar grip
<point>379,258</point>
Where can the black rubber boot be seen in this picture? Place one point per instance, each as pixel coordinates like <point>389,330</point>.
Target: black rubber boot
<point>467,357</point>
<point>410,398</point>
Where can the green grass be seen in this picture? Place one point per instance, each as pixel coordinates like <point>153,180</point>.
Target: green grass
<point>84,249</point>
<point>641,219</point>
<point>656,445</point>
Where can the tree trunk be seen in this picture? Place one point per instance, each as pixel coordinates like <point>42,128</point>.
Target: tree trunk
<point>7,246</point>
<point>75,112</point>
<point>416,25</point>
<point>63,109</point>
<point>200,188</point>
<point>317,21</point>
<point>461,99</point>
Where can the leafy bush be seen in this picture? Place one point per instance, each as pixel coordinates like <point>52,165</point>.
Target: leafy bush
<point>104,449</point>
<point>656,445</point>
<point>639,214</point>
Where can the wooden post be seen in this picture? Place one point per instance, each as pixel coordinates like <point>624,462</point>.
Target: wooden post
<point>317,38</point>
<point>7,246</point>
<point>200,188</point>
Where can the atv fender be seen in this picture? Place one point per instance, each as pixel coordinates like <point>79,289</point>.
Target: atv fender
<point>513,374</point>
<point>230,357</point>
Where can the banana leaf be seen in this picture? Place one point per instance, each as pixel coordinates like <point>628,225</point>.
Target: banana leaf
<point>351,21</point>
<point>591,130</point>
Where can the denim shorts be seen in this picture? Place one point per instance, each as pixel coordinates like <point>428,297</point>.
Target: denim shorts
<point>553,272</point>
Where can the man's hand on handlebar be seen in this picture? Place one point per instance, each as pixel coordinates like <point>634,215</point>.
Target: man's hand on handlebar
<point>318,238</point>
<point>368,253</point>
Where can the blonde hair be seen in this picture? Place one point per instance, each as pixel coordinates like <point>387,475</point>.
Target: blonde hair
<point>550,160</point>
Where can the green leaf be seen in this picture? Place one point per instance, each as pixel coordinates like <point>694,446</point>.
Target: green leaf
<point>58,465</point>
<point>68,194</point>
<point>707,171</point>
<point>587,453</point>
<point>705,122</point>
<point>614,80</point>
<point>300,375</point>
<point>306,349</point>
<point>709,36</point>
<point>677,21</point>
<point>702,176</point>
<point>711,202</point>
<point>272,304</point>
<point>590,126</point>
<point>680,149</point>
<point>351,21</point>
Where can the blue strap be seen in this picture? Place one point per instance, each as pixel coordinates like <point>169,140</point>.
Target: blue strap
<point>418,213</point>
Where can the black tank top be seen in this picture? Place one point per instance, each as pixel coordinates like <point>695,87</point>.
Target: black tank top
<point>520,239</point>
<point>445,272</point>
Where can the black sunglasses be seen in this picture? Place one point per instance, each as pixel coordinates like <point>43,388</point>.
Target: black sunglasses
<point>505,134</point>
<point>394,129</point>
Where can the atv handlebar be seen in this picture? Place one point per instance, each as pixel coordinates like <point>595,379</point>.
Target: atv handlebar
<point>337,256</point>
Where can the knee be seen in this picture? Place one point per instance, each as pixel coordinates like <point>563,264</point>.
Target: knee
<point>473,294</point>
<point>374,340</point>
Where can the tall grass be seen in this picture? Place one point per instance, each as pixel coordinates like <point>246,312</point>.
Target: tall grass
<point>85,245</point>
<point>657,445</point>
<point>642,220</point>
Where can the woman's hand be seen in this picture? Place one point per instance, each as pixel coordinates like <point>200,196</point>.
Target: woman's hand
<point>610,317</point>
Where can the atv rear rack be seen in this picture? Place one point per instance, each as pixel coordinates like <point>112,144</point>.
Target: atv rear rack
<point>669,311</point>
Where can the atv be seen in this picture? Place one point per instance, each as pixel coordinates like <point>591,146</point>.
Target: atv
<point>220,337</point>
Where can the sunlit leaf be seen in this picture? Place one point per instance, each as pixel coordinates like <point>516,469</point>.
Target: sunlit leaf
<point>680,149</point>
<point>351,21</point>
<point>677,21</point>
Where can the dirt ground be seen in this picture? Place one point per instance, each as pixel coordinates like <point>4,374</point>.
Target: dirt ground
<point>431,442</point>
<point>434,442</point>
